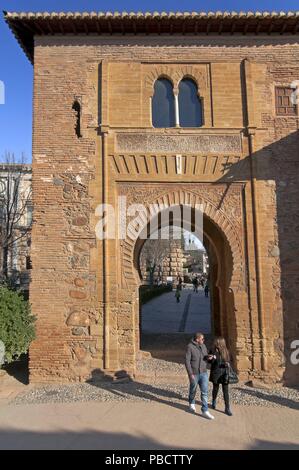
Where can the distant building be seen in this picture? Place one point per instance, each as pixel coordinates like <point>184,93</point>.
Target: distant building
<point>15,223</point>
<point>196,257</point>
<point>177,258</point>
<point>169,260</point>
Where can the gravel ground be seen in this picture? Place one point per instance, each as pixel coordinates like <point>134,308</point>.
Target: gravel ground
<point>163,393</point>
<point>155,372</point>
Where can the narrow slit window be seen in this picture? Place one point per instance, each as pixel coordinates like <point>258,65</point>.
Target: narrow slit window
<point>77,109</point>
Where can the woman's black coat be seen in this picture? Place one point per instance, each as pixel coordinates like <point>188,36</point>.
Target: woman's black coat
<point>218,374</point>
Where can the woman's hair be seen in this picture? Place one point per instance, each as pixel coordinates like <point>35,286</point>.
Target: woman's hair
<point>220,344</point>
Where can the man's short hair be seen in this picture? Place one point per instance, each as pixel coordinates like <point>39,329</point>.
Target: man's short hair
<point>198,335</point>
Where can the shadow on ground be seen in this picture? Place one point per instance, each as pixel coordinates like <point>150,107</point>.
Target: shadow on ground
<point>139,390</point>
<point>21,440</point>
<point>75,440</point>
<point>170,347</point>
<point>282,401</point>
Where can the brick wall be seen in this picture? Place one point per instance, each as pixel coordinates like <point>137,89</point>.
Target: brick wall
<point>109,78</point>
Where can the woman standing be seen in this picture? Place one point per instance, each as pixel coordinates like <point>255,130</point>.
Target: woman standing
<point>219,372</point>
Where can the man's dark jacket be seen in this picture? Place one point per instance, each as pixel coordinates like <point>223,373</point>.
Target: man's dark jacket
<point>196,358</point>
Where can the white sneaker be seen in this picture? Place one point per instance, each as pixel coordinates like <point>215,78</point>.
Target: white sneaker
<point>208,415</point>
<point>192,408</point>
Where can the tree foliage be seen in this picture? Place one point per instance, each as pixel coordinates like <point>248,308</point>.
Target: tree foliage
<point>16,323</point>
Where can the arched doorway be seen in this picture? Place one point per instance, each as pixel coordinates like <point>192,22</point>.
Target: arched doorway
<point>224,241</point>
<point>174,296</point>
<point>173,334</point>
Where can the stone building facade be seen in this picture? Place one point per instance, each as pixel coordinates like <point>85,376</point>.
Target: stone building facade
<point>176,258</point>
<point>196,260</point>
<point>93,140</point>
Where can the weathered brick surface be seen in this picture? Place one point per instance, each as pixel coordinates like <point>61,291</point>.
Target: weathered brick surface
<point>87,303</point>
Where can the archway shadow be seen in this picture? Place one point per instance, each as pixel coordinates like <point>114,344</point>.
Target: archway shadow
<point>169,347</point>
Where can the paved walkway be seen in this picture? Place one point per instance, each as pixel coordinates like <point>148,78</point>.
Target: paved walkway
<point>138,425</point>
<point>130,425</point>
<point>164,315</point>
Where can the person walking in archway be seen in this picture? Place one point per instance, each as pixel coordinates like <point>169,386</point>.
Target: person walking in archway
<point>219,372</point>
<point>178,294</point>
<point>196,365</point>
<point>207,288</point>
<point>180,282</point>
<point>195,284</point>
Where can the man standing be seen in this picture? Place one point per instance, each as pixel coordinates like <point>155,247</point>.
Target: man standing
<point>196,365</point>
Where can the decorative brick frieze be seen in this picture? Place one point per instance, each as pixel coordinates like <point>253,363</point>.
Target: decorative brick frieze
<point>155,143</point>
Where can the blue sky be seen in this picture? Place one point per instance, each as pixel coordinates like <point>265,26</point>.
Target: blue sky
<point>16,72</point>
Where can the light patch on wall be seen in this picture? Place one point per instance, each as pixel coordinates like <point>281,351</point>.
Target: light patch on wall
<point>46,180</point>
<point>179,164</point>
<point>295,93</point>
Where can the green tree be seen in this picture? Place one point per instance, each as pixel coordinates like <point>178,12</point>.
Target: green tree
<point>17,328</point>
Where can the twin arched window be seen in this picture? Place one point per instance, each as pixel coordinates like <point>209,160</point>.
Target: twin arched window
<point>184,110</point>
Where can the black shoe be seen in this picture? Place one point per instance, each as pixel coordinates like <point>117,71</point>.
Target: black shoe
<point>228,412</point>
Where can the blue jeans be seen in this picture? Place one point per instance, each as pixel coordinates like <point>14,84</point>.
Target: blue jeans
<point>203,382</point>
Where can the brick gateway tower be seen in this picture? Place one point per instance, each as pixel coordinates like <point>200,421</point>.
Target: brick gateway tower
<point>96,138</point>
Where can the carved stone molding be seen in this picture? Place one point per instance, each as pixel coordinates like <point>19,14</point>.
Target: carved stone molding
<point>177,144</point>
<point>133,166</point>
<point>175,73</point>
